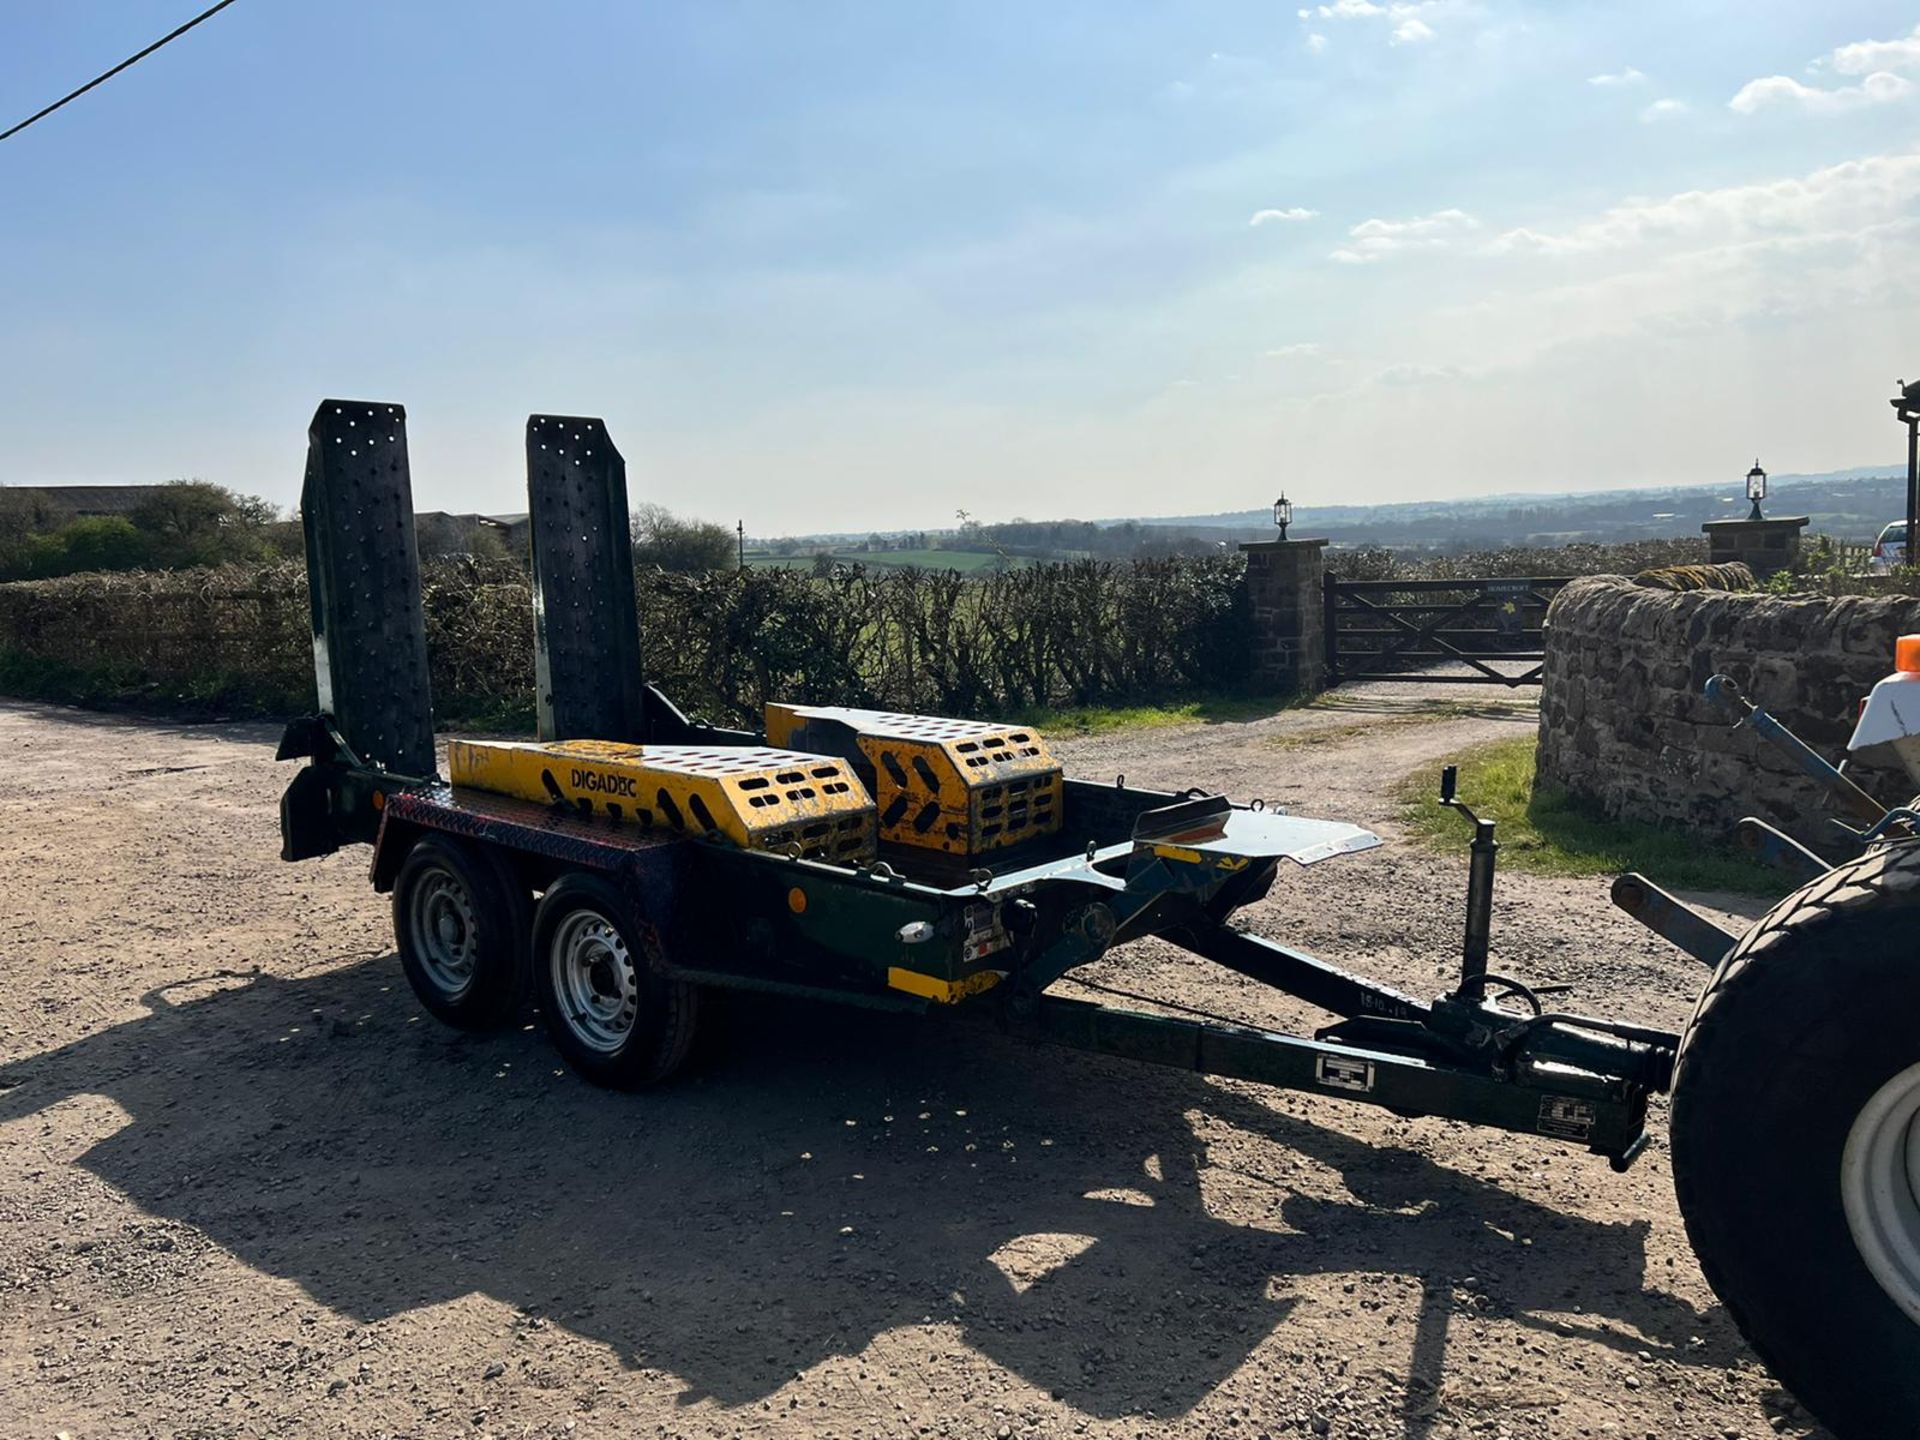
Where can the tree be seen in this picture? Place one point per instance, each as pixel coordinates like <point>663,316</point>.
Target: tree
<point>22,515</point>
<point>103,542</point>
<point>663,539</point>
<point>193,522</point>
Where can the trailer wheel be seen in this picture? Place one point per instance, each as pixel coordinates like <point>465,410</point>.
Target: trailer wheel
<point>460,923</point>
<point>611,1013</point>
<point>1796,1142</point>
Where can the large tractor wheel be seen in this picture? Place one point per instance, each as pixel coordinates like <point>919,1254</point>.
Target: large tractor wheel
<point>460,920</point>
<point>1796,1142</point>
<point>610,1011</point>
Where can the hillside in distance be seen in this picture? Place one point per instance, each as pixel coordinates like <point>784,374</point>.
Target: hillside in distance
<point>1848,504</point>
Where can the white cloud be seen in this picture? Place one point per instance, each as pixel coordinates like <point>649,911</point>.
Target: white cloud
<point>1301,351</point>
<point>1741,280</point>
<point>1376,239</point>
<point>1668,109</point>
<point>1316,42</point>
<point>1840,200</point>
<point>1405,21</point>
<point>1281,217</point>
<point>1620,80</point>
<point>1875,61</point>
<point>1877,89</point>
<point>1865,57</point>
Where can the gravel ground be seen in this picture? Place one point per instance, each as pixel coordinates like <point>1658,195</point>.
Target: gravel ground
<point>247,1188</point>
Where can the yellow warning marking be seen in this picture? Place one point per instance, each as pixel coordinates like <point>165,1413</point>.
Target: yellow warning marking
<point>944,992</point>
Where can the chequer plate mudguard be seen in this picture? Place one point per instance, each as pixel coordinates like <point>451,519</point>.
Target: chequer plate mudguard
<point>1209,826</point>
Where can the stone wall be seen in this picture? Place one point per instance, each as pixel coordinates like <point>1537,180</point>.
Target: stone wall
<point>1623,721</point>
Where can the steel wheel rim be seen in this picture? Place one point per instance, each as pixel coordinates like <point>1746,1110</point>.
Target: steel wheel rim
<point>440,922</point>
<point>1880,1187</point>
<point>594,981</point>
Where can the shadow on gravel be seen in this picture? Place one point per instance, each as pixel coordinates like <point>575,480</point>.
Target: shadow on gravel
<point>837,1175</point>
<point>162,725</point>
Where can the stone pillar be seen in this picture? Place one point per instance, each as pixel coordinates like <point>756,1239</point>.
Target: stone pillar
<point>1763,546</point>
<point>1284,593</point>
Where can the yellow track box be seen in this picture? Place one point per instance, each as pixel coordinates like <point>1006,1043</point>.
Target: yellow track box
<point>963,787</point>
<point>760,799</point>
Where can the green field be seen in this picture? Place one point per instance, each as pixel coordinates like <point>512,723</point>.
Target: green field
<point>965,561</point>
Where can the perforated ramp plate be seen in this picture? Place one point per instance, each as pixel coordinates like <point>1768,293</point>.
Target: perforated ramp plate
<point>363,568</point>
<point>586,636</point>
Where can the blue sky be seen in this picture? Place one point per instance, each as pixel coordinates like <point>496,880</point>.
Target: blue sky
<point>833,266</point>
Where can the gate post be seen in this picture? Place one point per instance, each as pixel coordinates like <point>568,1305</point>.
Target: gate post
<point>1330,628</point>
<point>1289,641</point>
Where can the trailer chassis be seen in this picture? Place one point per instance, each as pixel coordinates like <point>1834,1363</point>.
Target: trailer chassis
<point>995,947</point>
<point>1462,1057</point>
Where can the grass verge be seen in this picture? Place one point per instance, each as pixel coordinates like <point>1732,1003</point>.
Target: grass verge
<point>1545,832</point>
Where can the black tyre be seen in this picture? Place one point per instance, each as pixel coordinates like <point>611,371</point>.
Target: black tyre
<point>610,1011</point>
<point>460,921</point>
<point>1796,1142</point>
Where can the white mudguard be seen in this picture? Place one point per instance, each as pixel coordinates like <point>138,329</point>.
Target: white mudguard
<point>1889,724</point>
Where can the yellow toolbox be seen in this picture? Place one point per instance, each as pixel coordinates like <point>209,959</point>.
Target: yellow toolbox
<point>761,799</point>
<point>964,787</point>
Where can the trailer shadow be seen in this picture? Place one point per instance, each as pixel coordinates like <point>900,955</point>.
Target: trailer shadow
<point>834,1177</point>
<point>150,724</point>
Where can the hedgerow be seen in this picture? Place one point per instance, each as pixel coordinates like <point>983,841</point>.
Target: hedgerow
<point>237,639</point>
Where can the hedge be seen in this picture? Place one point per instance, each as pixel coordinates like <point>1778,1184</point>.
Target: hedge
<point>236,639</point>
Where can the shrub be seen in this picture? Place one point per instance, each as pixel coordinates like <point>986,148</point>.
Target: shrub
<point>1584,558</point>
<point>663,539</point>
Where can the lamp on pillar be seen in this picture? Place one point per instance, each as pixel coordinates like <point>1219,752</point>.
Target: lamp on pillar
<point>1907,406</point>
<point>1756,490</point>
<point>1283,514</point>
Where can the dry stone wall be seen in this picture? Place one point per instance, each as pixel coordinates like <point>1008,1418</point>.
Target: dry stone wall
<point>1624,723</point>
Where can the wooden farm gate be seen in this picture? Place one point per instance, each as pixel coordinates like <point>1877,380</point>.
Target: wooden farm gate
<point>1484,632</point>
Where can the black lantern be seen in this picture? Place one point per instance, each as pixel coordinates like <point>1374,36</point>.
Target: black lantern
<point>1756,490</point>
<point>1283,514</point>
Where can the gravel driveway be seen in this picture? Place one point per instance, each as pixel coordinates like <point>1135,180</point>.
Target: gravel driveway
<point>248,1188</point>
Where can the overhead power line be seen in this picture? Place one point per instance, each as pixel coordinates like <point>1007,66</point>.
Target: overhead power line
<point>206,14</point>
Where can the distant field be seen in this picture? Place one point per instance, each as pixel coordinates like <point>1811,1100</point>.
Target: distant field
<point>962,560</point>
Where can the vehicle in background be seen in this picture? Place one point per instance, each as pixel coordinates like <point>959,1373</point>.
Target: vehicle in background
<point>1889,550</point>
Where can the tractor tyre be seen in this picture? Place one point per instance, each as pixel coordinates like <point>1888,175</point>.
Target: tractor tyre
<point>1796,1142</point>
<point>610,1009</point>
<point>460,922</point>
